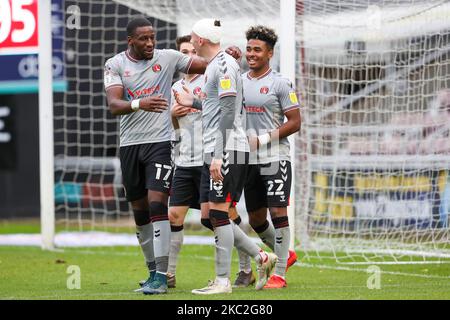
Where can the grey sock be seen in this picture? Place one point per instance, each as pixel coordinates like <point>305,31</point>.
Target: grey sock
<point>224,247</point>
<point>282,239</point>
<point>245,261</point>
<point>176,240</point>
<point>243,242</point>
<point>145,238</point>
<point>161,244</point>
<point>268,236</point>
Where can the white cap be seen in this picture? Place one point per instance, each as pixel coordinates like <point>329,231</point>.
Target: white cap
<point>206,29</point>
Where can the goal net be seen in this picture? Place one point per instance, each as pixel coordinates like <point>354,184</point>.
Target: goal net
<point>373,154</point>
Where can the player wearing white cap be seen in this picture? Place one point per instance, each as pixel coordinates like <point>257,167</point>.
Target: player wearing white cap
<point>225,150</point>
<point>188,159</point>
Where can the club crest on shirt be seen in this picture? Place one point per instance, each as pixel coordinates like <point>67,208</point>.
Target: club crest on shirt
<point>156,68</point>
<point>225,82</point>
<point>126,74</point>
<point>264,90</point>
<point>293,97</point>
<point>197,91</point>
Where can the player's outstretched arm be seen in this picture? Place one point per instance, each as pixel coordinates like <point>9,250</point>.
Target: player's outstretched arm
<point>198,64</point>
<point>118,106</point>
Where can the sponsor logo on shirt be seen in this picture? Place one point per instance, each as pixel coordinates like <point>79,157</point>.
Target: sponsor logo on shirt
<point>143,92</point>
<point>254,109</point>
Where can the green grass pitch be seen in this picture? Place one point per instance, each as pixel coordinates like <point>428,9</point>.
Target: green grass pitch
<point>113,273</point>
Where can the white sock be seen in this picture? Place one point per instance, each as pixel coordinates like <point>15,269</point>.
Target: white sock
<point>222,281</point>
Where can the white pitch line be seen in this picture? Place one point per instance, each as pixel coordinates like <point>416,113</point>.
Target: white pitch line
<point>100,294</point>
<point>395,263</point>
<point>300,265</point>
<point>427,276</point>
<point>112,252</point>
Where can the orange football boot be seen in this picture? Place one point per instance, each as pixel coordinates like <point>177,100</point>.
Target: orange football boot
<point>275,282</point>
<point>292,259</point>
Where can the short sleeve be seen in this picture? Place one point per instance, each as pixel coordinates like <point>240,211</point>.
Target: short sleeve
<point>182,61</point>
<point>111,76</point>
<point>287,95</point>
<point>227,79</point>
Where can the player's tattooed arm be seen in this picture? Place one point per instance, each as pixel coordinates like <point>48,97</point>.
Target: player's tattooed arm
<point>118,106</point>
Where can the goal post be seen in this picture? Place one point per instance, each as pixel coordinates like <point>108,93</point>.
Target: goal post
<point>288,68</point>
<point>46,151</point>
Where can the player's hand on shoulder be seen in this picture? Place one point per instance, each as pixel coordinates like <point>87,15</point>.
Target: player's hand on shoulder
<point>154,104</point>
<point>179,111</point>
<point>235,52</point>
<point>184,98</point>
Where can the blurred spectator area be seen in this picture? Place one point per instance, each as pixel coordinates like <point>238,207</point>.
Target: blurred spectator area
<point>421,133</point>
